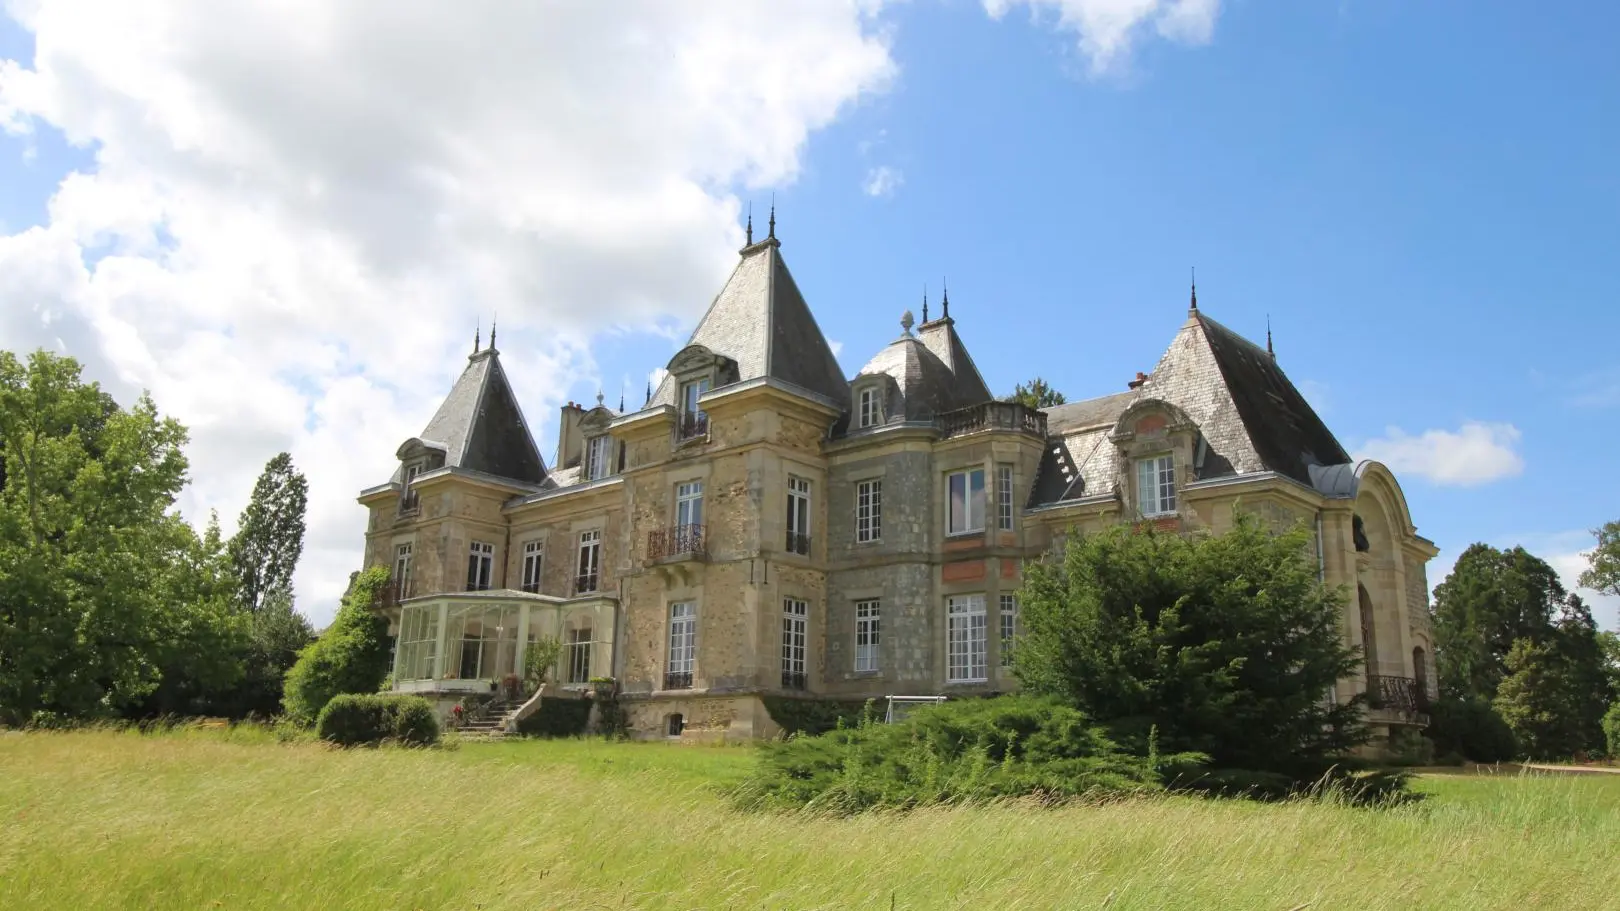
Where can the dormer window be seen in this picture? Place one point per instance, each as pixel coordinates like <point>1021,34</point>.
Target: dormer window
<point>869,411</point>
<point>694,423</point>
<point>1156,485</point>
<point>598,457</point>
<point>407,495</point>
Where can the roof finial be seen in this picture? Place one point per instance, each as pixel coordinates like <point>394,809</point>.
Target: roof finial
<point>649,393</point>
<point>1269,349</point>
<point>750,223</point>
<point>772,235</point>
<point>925,303</point>
<point>1195,287</point>
<point>906,322</point>
<point>478,334</point>
<point>621,396</point>
<point>944,299</point>
<point>492,320</point>
<point>599,396</point>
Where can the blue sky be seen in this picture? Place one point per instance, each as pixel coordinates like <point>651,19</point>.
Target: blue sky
<point>1424,200</point>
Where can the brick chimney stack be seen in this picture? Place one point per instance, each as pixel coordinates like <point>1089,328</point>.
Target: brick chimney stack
<point>1140,379</point>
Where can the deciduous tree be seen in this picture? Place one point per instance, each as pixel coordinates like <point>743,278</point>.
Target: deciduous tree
<point>1603,563</point>
<point>270,535</point>
<point>1036,394</point>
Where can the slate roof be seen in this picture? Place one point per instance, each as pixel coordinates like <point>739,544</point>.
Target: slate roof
<point>968,386</point>
<point>760,320</point>
<point>1251,417</point>
<point>923,385</point>
<point>1285,431</point>
<point>480,426</point>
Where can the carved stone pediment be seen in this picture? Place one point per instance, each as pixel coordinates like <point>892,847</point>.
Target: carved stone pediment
<point>698,359</point>
<point>1150,419</point>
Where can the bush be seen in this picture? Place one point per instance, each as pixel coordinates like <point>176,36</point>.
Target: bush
<point>1470,728</point>
<point>1344,780</point>
<point>1611,730</point>
<point>354,719</point>
<point>557,718</point>
<point>351,656</point>
<point>814,716</point>
<point>974,749</point>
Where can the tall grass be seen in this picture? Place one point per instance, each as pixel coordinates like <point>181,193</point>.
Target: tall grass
<point>107,819</point>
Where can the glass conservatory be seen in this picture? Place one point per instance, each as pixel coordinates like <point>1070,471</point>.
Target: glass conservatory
<point>472,642</point>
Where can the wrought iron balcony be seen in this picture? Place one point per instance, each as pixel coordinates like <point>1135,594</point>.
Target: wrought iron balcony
<point>585,583</point>
<point>676,541</point>
<point>694,424</point>
<point>792,680</point>
<point>1004,416</point>
<point>678,681</point>
<point>1400,695</point>
<point>798,544</point>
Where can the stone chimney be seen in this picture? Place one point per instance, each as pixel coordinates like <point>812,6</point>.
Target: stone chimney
<point>1140,379</point>
<point>570,440</point>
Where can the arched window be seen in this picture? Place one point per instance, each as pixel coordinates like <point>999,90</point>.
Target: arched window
<point>1369,632</point>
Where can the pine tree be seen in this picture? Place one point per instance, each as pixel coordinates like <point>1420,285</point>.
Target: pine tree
<point>270,536</point>
<point>1036,394</point>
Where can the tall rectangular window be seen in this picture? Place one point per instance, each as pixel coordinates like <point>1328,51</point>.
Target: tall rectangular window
<point>866,636</point>
<point>579,655</point>
<point>598,457</point>
<point>871,413</point>
<point>965,502</point>
<point>694,423</point>
<point>682,645</point>
<point>402,571</point>
<point>1009,628</point>
<point>1156,485</point>
<point>1004,497</point>
<point>795,620</point>
<point>407,495</point>
<point>534,560</point>
<point>965,631</point>
<point>868,511</point>
<point>689,503</point>
<point>590,562</point>
<point>480,565</point>
<point>798,516</point>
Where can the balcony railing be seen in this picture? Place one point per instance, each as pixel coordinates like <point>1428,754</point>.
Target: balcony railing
<point>585,583</point>
<point>693,425</point>
<point>798,544</point>
<point>391,593</point>
<point>1400,695</point>
<point>678,681</point>
<point>793,680</point>
<point>675,541</point>
<point>1004,416</point>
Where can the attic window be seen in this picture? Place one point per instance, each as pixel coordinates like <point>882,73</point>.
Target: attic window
<point>407,497</point>
<point>694,423</point>
<point>598,457</point>
<point>870,410</point>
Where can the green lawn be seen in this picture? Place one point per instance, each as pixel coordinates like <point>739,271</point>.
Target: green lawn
<point>109,820</point>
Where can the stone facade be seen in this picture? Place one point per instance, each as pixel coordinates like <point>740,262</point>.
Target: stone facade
<point>766,529</point>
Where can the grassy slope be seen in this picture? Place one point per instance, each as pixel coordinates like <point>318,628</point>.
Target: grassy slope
<point>105,820</point>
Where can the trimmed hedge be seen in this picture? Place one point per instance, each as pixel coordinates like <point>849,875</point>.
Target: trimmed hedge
<point>557,718</point>
<point>363,720</point>
<point>815,716</point>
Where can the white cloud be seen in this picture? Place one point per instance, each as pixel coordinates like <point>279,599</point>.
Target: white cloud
<point>299,209</point>
<point>1476,453</point>
<point>882,181</point>
<point>1107,30</point>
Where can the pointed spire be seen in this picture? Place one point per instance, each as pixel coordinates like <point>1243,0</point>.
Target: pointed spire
<point>925,303</point>
<point>750,235</point>
<point>621,397</point>
<point>944,299</point>
<point>492,320</point>
<point>1194,288</point>
<point>478,335</point>
<point>772,235</point>
<point>1269,350</point>
<point>649,393</point>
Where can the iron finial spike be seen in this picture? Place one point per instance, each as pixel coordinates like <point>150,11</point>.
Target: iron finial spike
<point>750,223</point>
<point>492,321</point>
<point>478,334</point>
<point>1269,350</point>
<point>925,302</point>
<point>772,235</point>
<point>1195,287</point>
<point>649,393</point>
<point>944,299</point>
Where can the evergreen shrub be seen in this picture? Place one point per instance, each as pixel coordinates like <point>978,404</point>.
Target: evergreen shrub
<point>353,719</point>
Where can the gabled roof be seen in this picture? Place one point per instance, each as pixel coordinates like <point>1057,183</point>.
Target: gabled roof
<point>480,427</point>
<point>761,321</point>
